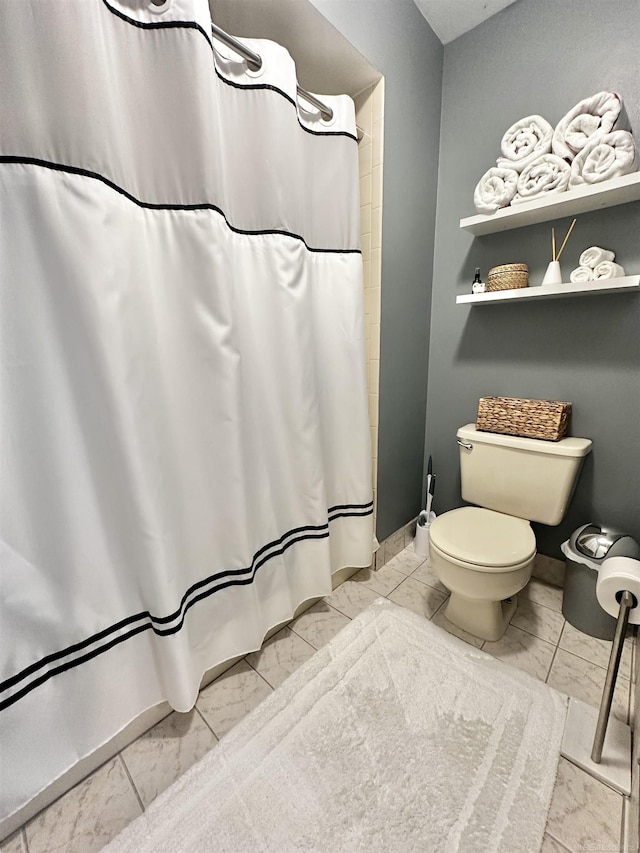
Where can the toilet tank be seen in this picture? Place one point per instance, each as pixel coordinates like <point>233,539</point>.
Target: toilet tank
<point>524,477</point>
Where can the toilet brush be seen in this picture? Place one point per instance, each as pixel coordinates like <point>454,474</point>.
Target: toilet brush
<point>424,514</point>
<point>432,489</point>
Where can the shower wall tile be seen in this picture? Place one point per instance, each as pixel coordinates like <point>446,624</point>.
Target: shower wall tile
<point>364,109</point>
<point>376,228</point>
<point>375,291</point>
<point>366,189</point>
<point>374,376</point>
<point>366,279</point>
<point>584,813</point>
<point>378,101</point>
<point>165,752</point>
<point>365,218</point>
<point>373,409</point>
<point>365,158</point>
<point>86,818</point>
<point>365,246</point>
<point>375,336</point>
<point>376,186</point>
<point>376,263</point>
<point>281,655</point>
<point>378,143</point>
<point>369,115</point>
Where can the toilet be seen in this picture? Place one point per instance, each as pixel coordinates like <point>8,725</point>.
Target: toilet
<point>484,553</point>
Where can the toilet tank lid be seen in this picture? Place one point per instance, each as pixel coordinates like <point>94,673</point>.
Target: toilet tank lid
<point>565,447</point>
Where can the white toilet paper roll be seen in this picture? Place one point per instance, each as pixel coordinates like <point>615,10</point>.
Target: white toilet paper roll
<point>615,575</point>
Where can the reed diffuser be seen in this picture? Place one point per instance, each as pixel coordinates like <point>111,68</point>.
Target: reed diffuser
<point>553,274</point>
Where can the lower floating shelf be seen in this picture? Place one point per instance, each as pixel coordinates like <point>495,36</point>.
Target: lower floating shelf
<point>554,291</point>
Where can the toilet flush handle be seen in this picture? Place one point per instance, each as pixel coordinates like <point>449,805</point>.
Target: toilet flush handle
<point>466,446</point>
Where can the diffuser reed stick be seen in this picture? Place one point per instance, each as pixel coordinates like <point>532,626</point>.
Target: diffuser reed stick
<point>564,242</point>
<point>553,244</point>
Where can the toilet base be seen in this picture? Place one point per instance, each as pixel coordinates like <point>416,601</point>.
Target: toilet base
<point>487,620</point>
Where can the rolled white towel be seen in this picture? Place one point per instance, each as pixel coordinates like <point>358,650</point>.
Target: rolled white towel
<point>594,256</point>
<point>603,158</point>
<point>601,113</point>
<point>547,174</point>
<point>524,142</point>
<point>581,273</point>
<point>607,269</point>
<point>495,189</point>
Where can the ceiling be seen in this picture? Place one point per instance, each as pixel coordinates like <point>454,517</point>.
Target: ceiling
<point>451,18</point>
<point>327,63</point>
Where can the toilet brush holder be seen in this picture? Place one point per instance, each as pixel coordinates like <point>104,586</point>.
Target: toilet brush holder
<point>423,527</point>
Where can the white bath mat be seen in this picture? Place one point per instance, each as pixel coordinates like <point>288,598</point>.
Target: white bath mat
<point>393,737</point>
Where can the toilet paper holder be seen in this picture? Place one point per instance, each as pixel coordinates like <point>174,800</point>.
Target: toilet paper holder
<point>627,602</point>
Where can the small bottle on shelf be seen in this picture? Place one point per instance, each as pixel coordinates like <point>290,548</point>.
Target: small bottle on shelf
<point>477,286</point>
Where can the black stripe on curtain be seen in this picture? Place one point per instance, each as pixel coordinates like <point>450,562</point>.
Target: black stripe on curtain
<point>210,585</point>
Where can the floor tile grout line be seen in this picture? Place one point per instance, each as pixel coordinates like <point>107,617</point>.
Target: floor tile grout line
<point>261,675</point>
<point>589,660</point>
<point>205,721</point>
<point>564,846</point>
<point>130,778</point>
<point>527,631</point>
<point>553,658</point>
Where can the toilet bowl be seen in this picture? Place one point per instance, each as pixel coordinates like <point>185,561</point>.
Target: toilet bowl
<point>484,558</point>
<point>484,553</point>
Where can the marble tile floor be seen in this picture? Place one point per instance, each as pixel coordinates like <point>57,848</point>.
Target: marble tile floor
<point>585,815</point>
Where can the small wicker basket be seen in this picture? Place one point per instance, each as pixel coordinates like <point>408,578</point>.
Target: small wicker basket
<point>545,419</point>
<point>508,276</point>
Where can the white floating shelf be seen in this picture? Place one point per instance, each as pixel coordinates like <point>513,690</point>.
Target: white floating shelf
<point>553,291</point>
<point>555,206</point>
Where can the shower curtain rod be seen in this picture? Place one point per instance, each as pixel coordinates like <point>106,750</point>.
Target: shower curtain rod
<point>254,62</point>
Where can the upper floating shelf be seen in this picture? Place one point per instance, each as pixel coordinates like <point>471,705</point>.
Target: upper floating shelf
<point>570,203</point>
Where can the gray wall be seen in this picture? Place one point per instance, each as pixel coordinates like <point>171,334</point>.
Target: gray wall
<point>537,57</point>
<point>395,38</point>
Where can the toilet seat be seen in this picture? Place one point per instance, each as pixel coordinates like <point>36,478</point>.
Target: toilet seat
<point>483,539</point>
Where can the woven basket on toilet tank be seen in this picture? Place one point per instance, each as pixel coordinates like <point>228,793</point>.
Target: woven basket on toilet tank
<point>546,419</point>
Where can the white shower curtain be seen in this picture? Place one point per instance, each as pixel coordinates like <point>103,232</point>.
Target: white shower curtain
<point>185,451</point>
